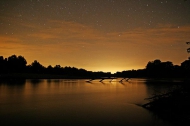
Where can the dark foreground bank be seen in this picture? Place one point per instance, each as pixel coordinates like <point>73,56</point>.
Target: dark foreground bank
<point>173,106</point>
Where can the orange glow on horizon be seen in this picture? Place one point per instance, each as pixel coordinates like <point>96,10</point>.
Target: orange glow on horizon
<point>111,52</point>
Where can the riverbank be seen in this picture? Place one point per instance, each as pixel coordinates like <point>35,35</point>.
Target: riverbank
<point>38,76</point>
<point>172,106</point>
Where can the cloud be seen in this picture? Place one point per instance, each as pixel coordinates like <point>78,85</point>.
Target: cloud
<point>65,31</point>
<point>62,32</point>
<point>69,33</point>
<point>67,37</point>
<point>75,44</point>
<point>8,39</point>
<point>162,34</point>
<point>76,33</point>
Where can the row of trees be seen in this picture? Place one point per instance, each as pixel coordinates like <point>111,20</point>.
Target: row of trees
<point>12,64</point>
<point>18,64</point>
<point>156,68</point>
<point>167,69</point>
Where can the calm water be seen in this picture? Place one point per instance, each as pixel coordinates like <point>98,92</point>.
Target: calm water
<point>76,102</point>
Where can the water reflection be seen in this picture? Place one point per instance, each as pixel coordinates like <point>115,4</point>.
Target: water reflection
<point>35,81</point>
<point>155,86</point>
<point>13,81</point>
<point>75,102</point>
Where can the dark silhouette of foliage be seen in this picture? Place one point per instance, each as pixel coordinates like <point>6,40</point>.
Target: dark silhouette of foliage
<point>188,50</point>
<point>13,64</point>
<point>36,67</point>
<point>131,73</point>
<point>185,66</point>
<point>2,64</point>
<point>156,68</point>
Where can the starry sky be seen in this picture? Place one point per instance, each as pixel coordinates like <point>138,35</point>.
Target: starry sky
<point>97,35</point>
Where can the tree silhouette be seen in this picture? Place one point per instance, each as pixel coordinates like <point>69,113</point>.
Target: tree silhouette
<point>188,50</point>
<point>2,64</point>
<point>49,69</point>
<point>16,64</point>
<point>157,68</point>
<point>36,67</point>
<point>186,67</point>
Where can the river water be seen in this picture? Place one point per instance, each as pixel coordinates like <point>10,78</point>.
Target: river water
<point>76,102</point>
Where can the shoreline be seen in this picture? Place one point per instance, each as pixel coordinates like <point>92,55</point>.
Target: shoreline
<point>39,76</point>
<point>172,105</point>
<point>59,76</point>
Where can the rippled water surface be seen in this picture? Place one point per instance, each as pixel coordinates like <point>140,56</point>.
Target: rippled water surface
<point>76,102</point>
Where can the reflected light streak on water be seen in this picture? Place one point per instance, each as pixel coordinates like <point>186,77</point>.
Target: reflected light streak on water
<point>76,102</point>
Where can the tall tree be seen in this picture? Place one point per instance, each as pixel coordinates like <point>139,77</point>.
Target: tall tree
<point>36,67</point>
<point>16,64</point>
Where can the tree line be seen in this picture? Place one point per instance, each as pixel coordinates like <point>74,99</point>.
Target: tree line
<point>156,68</point>
<point>18,64</point>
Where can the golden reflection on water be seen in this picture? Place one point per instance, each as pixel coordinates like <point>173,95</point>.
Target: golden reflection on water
<point>62,101</point>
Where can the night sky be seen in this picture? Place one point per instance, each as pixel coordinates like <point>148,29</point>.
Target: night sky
<point>97,35</point>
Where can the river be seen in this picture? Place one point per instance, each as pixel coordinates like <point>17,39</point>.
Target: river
<point>77,102</point>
